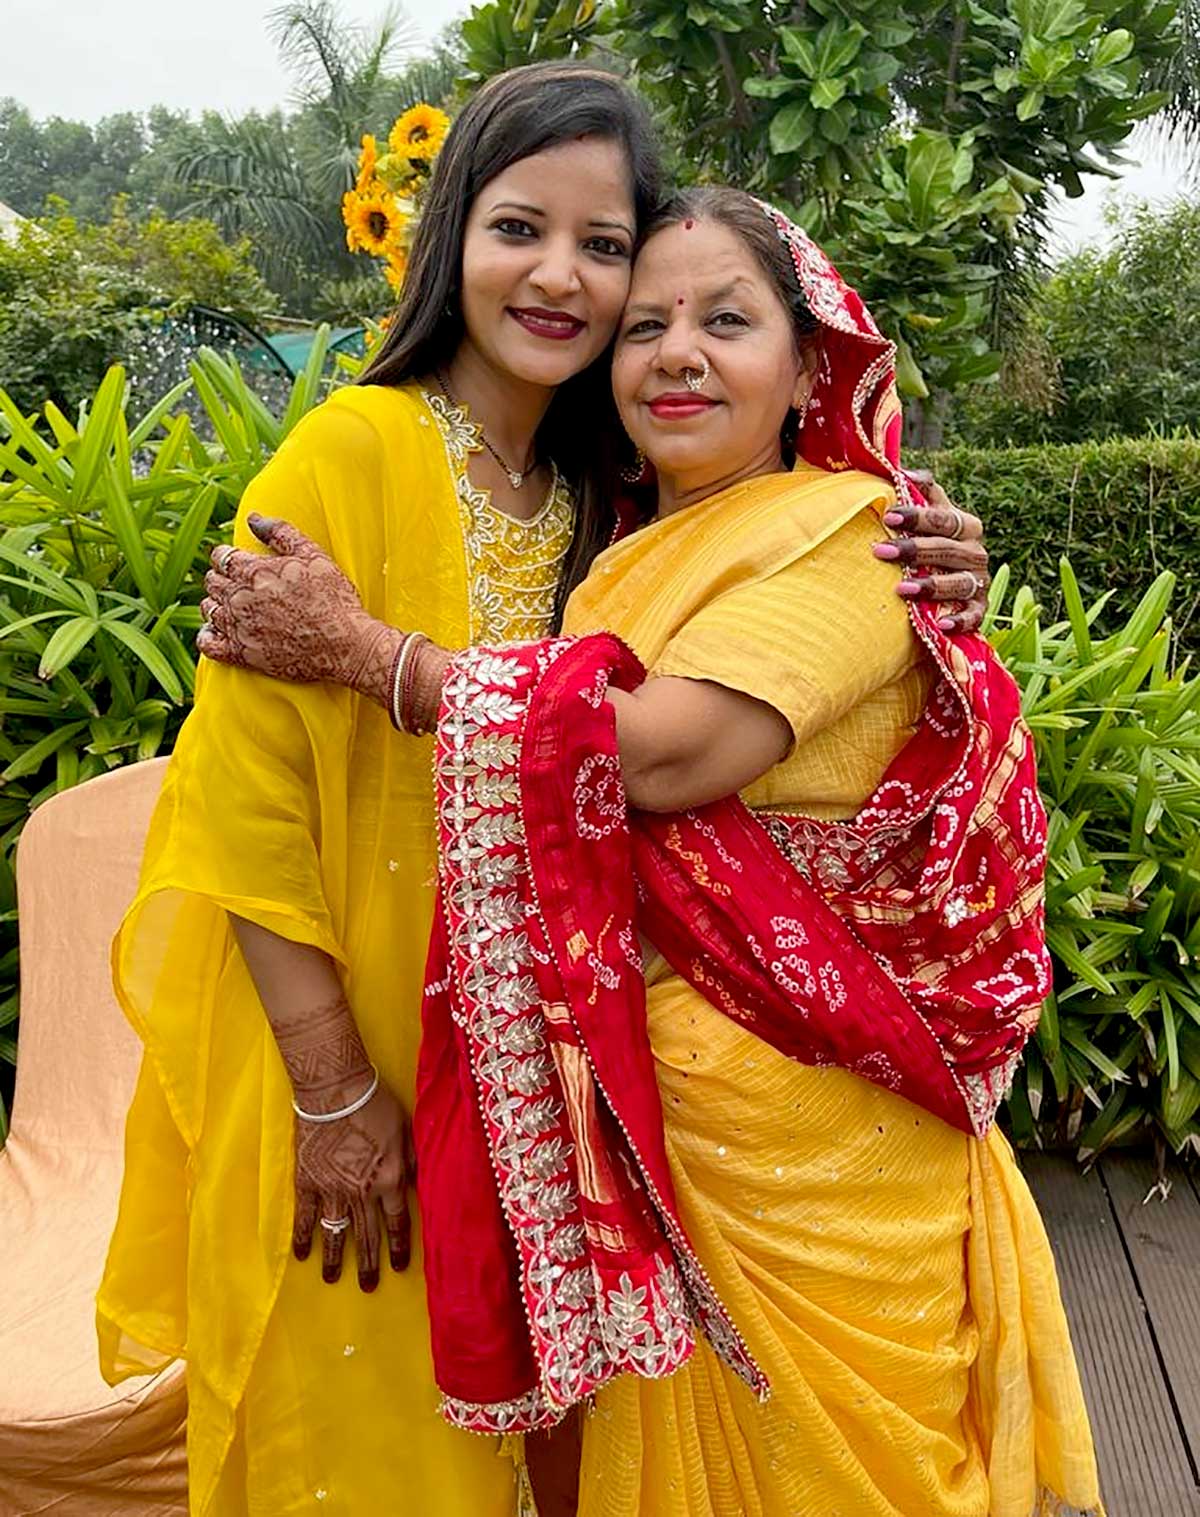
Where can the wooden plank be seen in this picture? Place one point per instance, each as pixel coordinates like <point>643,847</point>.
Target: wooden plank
<point>1163,1242</point>
<point>1144,1465</point>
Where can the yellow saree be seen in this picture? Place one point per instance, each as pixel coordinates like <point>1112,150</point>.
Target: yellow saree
<point>298,807</point>
<point>890,1274</point>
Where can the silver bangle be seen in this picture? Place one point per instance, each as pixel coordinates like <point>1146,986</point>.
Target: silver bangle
<point>346,1111</point>
<point>406,653</point>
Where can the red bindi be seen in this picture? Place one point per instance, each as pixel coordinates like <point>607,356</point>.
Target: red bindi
<point>679,302</point>
<point>688,224</point>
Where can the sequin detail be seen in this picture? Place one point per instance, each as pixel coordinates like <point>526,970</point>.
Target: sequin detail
<point>513,566</point>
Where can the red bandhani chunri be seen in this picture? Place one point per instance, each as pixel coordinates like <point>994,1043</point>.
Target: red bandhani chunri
<point>905,945</point>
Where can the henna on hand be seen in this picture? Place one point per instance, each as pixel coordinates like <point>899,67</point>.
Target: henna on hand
<point>293,615</point>
<point>324,1055</point>
<point>354,1166</point>
<point>947,544</point>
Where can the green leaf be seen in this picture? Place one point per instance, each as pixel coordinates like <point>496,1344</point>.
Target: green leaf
<point>770,89</point>
<point>1113,47</point>
<point>33,757</point>
<point>149,653</point>
<point>118,514</point>
<point>909,380</point>
<point>827,93</point>
<point>1076,614</point>
<point>68,640</point>
<point>930,172</point>
<point>792,127</point>
<point>149,423</point>
<point>99,434</point>
<point>798,46</point>
<point>838,44</point>
<point>186,543</point>
<point>1030,104</point>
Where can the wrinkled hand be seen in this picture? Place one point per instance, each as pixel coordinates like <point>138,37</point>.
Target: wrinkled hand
<point>957,561</point>
<point>358,1167</point>
<point>291,614</point>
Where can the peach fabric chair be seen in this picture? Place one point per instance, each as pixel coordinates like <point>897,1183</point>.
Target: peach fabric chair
<point>70,1445</point>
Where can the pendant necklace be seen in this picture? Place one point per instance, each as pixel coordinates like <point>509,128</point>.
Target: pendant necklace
<point>516,477</point>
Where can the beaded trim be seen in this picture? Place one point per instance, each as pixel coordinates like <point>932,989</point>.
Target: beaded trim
<point>586,1324</point>
<point>507,603</point>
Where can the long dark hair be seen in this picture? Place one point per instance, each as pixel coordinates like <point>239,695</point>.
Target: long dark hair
<point>515,115</point>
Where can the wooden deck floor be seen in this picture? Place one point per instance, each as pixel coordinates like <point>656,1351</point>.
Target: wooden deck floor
<point>1130,1274</point>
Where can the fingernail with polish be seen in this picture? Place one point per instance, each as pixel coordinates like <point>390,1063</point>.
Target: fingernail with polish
<point>947,624</point>
<point>887,551</point>
<point>893,519</point>
<point>909,587</point>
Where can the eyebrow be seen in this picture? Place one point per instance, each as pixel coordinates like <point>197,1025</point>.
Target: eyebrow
<point>536,210</point>
<point>712,296</point>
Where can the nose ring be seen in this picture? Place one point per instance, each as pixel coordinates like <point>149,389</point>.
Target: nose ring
<point>695,379</point>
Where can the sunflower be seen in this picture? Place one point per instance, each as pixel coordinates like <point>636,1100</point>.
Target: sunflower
<point>366,164</point>
<point>396,268</point>
<point>373,220</point>
<point>419,133</point>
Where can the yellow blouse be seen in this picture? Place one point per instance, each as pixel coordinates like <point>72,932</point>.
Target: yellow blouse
<point>298,807</point>
<point>770,588</point>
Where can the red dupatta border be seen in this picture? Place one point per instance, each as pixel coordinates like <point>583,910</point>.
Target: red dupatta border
<point>554,1254</point>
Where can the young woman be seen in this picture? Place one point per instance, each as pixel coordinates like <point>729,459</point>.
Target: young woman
<point>290,866</point>
<point>807,1169</point>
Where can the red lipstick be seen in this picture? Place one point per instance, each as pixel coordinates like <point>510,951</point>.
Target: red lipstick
<point>677,405</point>
<point>558,326</point>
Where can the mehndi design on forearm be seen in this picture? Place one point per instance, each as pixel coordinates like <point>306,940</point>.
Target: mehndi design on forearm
<point>323,1053</point>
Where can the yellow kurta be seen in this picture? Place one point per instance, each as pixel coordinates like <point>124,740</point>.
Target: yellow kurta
<point>890,1274</point>
<point>300,808</point>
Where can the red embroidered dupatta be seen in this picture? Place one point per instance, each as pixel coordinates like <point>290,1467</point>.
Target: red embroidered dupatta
<point>905,945</point>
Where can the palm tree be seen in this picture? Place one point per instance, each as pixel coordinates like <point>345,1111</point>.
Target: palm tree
<point>279,179</point>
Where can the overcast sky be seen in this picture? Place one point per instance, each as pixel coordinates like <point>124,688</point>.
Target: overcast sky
<point>89,58</point>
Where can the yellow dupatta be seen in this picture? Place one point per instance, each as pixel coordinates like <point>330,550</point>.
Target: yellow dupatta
<point>297,807</point>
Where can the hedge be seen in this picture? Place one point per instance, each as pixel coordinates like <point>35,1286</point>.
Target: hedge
<point>1121,510</point>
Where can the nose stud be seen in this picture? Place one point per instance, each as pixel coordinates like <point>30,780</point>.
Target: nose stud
<point>695,379</point>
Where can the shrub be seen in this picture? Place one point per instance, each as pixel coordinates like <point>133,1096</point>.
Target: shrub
<point>1122,511</point>
<point>105,531</point>
<point>1118,1048</point>
<point>73,297</point>
<point>1113,336</point>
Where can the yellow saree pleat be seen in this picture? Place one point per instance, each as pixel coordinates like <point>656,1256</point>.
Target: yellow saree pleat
<point>890,1274</point>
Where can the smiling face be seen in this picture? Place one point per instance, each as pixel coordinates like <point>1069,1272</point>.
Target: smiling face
<point>546,261</point>
<point>700,297</point>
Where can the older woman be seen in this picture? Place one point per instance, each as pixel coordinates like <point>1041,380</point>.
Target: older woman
<point>782,1133</point>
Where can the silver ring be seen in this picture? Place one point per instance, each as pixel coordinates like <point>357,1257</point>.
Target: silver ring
<point>978,583</point>
<point>335,1225</point>
<point>222,556</point>
<point>960,525</point>
<point>695,379</point>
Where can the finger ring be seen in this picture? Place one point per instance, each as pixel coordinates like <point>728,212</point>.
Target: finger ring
<point>978,584</point>
<point>335,1225</point>
<point>222,556</point>
<point>960,525</point>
